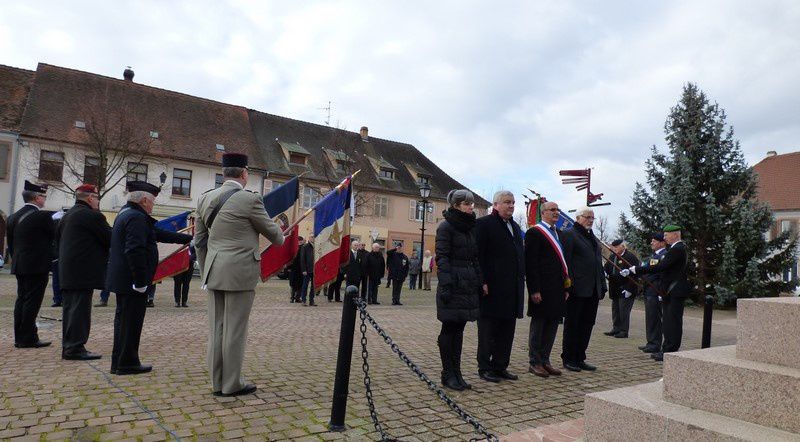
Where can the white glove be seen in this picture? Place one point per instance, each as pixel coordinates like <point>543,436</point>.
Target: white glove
<point>633,269</point>
<point>139,289</point>
<point>660,298</point>
<point>627,294</point>
<point>624,273</point>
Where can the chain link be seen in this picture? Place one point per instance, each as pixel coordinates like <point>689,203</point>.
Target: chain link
<point>466,417</point>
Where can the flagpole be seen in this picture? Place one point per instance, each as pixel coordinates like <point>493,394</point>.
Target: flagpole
<point>652,286</point>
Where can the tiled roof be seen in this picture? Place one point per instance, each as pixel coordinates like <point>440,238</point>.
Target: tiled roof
<point>188,127</point>
<point>779,181</point>
<point>15,85</point>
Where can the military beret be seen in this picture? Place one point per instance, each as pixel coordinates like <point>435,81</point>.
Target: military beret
<point>234,160</point>
<point>672,228</point>
<point>658,236</point>
<point>134,186</point>
<point>616,242</point>
<point>29,186</point>
<point>87,188</point>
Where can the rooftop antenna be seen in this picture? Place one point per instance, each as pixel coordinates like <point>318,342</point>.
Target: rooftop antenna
<point>327,108</point>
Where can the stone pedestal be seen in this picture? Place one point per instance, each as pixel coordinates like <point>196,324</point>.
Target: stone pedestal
<point>746,392</point>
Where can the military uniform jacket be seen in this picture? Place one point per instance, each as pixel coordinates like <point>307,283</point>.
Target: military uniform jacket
<point>31,232</point>
<point>83,239</point>
<point>396,264</point>
<point>230,259</point>
<point>616,282</point>
<point>654,278</point>
<point>672,267</point>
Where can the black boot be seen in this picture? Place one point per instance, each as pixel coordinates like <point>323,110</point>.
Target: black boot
<point>458,342</point>
<point>449,378</point>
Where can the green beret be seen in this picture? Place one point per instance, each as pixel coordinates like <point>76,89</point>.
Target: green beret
<point>672,228</point>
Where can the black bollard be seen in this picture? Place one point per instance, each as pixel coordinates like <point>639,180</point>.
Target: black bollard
<point>341,384</point>
<point>708,312</point>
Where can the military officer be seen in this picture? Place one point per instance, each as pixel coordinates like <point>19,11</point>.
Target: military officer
<point>652,306</point>
<point>132,263</point>
<point>229,220</point>
<point>30,245</point>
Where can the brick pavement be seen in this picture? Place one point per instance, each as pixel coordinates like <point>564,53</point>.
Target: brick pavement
<point>291,356</point>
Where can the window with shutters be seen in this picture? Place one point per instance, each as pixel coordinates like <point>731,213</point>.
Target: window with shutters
<point>51,165</point>
<point>181,182</point>
<point>310,196</point>
<point>5,160</point>
<point>136,172</point>
<point>416,211</point>
<point>386,173</point>
<point>381,206</point>
<point>267,187</point>
<point>91,171</point>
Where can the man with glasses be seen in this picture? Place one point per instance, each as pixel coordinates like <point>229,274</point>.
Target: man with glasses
<point>585,263</point>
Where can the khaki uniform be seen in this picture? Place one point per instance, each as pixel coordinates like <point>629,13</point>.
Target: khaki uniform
<point>230,269</point>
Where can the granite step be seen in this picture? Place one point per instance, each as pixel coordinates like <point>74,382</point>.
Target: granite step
<point>641,413</point>
<point>715,380</point>
<point>769,330</point>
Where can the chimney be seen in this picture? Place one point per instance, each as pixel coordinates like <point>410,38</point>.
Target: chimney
<point>364,133</point>
<point>771,153</point>
<point>128,74</point>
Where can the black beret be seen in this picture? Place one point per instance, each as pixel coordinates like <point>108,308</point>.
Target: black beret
<point>134,186</point>
<point>658,236</point>
<point>616,242</point>
<point>29,186</point>
<point>234,160</point>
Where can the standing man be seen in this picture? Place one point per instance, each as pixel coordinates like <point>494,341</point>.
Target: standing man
<point>353,274</point>
<point>584,260</point>
<point>295,273</point>
<point>622,290</point>
<point>414,266</point>
<point>56,281</point>
<point>30,245</point>
<point>502,261</point>
<point>397,266</point>
<point>427,269</point>
<point>133,259</point>
<point>182,281</point>
<point>229,220</point>
<point>83,239</point>
<point>675,288</point>
<point>361,257</point>
<point>375,266</point>
<point>548,280</point>
<point>307,270</point>
<point>652,305</point>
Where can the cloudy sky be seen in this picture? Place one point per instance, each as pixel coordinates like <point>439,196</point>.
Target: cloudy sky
<point>500,97</point>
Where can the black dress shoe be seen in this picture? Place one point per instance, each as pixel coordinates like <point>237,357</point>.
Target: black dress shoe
<point>150,304</point>
<point>657,356</point>
<point>37,344</point>
<point>488,376</point>
<point>611,333</point>
<point>185,305</point>
<point>650,350</point>
<point>621,335</point>
<point>135,369</point>
<point>642,347</point>
<point>376,303</point>
<point>85,356</point>
<point>113,370</point>
<point>248,389</point>
<point>588,367</point>
<point>399,303</point>
<point>177,305</point>
<point>571,367</point>
<point>505,374</point>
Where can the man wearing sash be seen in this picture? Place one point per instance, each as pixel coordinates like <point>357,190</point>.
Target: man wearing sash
<point>548,279</point>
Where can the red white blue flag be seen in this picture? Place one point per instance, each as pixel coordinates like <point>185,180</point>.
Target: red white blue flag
<point>332,233</point>
<point>281,206</point>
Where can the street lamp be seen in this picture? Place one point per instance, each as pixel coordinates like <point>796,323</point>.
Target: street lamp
<point>424,192</point>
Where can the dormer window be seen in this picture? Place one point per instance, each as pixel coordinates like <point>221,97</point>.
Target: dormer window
<point>221,147</point>
<point>153,134</point>
<point>295,153</point>
<point>80,124</point>
<point>296,158</point>
<point>423,179</point>
<point>386,173</point>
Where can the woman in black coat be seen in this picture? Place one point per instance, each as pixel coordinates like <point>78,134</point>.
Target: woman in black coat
<point>458,292</point>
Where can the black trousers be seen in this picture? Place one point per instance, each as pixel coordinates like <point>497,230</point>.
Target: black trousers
<point>76,320</point>
<point>372,289</point>
<point>364,288</point>
<point>621,313</point>
<point>672,311</point>
<point>128,321</point>
<point>397,287</point>
<point>335,289</point>
<point>495,338</point>
<point>181,290</point>
<point>541,337</point>
<point>30,293</point>
<point>578,325</point>
<point>652,321</point>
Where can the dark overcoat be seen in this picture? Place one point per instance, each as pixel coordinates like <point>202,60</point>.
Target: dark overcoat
<point>374,265</point>
<point>397,264</point>
<point>616,282</point>
<point>585,262</point>
<point>502,262</point>
<point>83,238</point>
<point>544,274</point>
<point>30,233</point>
<point>353,270</point>
<point>672,267</point>
<point>307,258</point>
<point>460,280</point>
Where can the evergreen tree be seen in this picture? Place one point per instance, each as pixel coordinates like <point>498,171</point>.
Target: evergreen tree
<point>704,184</point>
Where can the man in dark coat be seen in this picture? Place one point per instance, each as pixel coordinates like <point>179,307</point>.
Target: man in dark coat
<point>502,261</point>
<point>622,290</point>
<point>652,305</point>
<point>353,271</point>
<point>675,288</point>
<point>83,239</point>
<point>361,257</point>
<point>307,270</point>
<point>585,263</point>
<point>182,280</point>
<point>547,276</point>
<point>375,266</point>
<point>397,267</point>
<point>295,273</point>
<point>30,235</point>
<point>132,263</point>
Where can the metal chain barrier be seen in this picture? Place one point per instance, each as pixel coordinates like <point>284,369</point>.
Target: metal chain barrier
<point>466,417</point>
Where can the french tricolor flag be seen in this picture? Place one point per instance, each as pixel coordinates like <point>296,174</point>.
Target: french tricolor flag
<point>332,234</point>
<point>281,205</point>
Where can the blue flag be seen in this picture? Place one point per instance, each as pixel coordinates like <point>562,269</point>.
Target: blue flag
<point>174,223</point>
<point>282,198</point>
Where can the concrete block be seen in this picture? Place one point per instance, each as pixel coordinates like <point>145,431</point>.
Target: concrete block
<point>769,330</point>
<point>715,380</point>
<point>640,413</point>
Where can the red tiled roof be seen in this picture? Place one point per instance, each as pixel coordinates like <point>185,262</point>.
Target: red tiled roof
<point>779,181</point>
<point>188,127</point>
<point>15,84</point>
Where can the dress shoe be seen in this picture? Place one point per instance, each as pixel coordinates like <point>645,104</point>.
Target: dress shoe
<point>642,347</point>
<point>539,370</point>
<point>304,304</point>
<point>505,374</point>
<point>571,367</point>
<point>588,367</point>
<point>84,356</point>
<point>150,304</point>
<point>376,303</point>
<point>185,305</point>
<point>101,304</point>
<point>113,371</point>
<point>552,370</point>
<point>56,304</point>
<point>657,356</point>
<point>611,333</point>
<point>177,305</point>
<point>488,376</point>
<point>37,344</point>
<point>135,369</point>
<point>621,335</point>
<point>248,389</point>
<point>650,350</point>
<point>399,303</point>
<point>451,382</point>
<point>313,304</point>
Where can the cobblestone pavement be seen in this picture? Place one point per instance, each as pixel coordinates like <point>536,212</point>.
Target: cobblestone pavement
<point>291,356</point>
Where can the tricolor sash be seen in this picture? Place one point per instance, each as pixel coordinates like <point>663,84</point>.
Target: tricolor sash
<point>556,245</point>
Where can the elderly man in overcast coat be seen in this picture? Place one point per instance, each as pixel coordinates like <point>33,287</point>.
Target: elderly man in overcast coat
<point>502,261</point>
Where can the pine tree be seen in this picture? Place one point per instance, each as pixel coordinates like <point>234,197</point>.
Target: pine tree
<point>704,184</point>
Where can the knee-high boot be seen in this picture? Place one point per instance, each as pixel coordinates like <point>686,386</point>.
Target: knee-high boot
<point>449,378</point>
<point>458,343</point>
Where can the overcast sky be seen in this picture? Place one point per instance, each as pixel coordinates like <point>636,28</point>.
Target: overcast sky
<point>499,94</point>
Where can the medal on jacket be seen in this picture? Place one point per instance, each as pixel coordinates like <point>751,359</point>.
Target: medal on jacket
<point>567,282</point>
